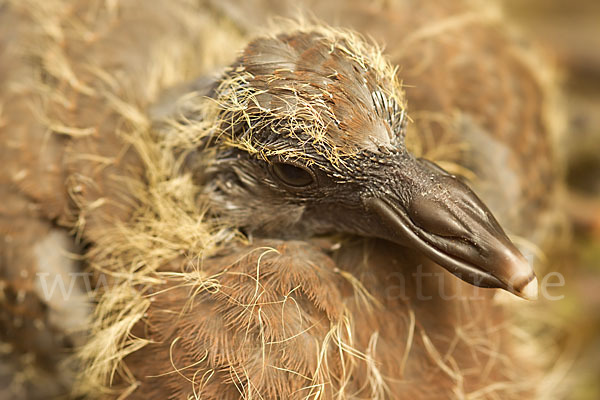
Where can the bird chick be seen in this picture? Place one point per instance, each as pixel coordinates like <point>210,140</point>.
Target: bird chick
<point>303,136</point>
<point>310,141</point>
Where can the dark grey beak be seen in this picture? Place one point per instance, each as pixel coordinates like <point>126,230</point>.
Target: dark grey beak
<point>447,222</point>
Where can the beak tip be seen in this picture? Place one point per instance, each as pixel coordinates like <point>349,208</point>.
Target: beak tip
<point>519,276</point>
<point>530,290</point>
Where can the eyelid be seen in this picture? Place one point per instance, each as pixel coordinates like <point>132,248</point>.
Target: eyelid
<point>281,160</point>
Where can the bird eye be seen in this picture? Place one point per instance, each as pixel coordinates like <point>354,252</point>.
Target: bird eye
<point>292,175</point>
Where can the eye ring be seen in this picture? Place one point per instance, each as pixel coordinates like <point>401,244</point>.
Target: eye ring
<point>293,175</point>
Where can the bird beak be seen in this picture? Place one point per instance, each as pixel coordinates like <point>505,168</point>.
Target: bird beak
<point>447,222</point>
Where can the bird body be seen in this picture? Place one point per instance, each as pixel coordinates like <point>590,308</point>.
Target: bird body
<point>268,231</point>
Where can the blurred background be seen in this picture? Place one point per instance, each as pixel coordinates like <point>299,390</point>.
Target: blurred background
<point>569,31</point>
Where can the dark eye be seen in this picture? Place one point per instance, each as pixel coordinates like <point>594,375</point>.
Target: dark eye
<point>292,175</point>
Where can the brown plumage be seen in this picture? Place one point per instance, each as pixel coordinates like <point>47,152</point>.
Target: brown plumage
<point>157,184</point>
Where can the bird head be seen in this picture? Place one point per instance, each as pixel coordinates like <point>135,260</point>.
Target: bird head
<point>310,140</point>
